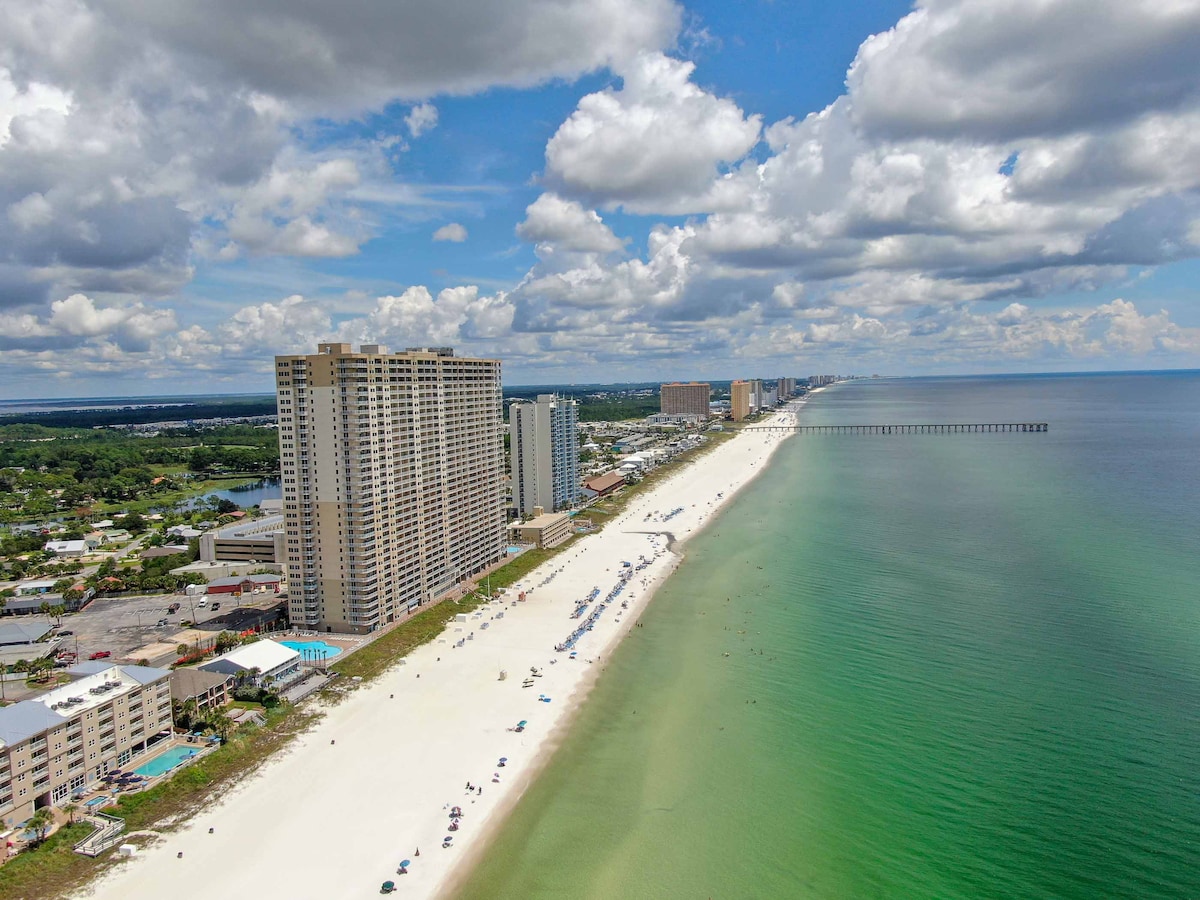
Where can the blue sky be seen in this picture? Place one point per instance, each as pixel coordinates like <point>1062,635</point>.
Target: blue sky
<point>596,191</point>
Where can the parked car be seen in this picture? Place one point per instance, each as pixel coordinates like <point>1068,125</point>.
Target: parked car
<point>203,603</point>
<point>173,608</point>
<point>65,632</point>
<point>162,622</point>
<point>216,605</point>
<point>101,654</point>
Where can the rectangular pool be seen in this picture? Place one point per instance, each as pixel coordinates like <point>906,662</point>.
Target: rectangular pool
<point>165,762</point>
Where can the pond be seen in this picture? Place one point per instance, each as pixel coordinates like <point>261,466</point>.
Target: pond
<point>249,495</point>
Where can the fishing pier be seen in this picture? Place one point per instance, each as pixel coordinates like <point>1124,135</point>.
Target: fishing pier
<point>939,428</point>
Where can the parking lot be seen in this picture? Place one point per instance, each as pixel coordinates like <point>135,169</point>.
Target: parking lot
<point>121,625</point>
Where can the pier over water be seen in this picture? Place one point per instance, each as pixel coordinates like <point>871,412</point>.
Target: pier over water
<point>938,428</point>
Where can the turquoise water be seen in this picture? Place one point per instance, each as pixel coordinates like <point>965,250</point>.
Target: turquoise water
<point>959,666</point>
<point>164,762</point>
<point>313,649</point>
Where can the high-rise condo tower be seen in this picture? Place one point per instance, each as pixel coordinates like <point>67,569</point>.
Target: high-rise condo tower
<point>392,466</point>
<point>543,447</point>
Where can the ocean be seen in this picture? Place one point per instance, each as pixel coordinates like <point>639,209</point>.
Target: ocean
<point>952,666</point>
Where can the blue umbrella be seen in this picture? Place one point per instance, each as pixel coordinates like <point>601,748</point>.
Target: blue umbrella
<point>404,863</point>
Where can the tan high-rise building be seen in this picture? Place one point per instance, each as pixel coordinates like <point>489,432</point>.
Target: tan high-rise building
<point>684,399</point>
<point>739,400</point>
<point>392,468</point>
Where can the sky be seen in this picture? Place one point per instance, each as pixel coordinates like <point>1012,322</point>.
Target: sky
<point>595,191</point>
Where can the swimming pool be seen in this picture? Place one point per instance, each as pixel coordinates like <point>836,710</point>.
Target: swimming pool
<point>96,801</point>
<point>313,649</point>
<point>165,762</point>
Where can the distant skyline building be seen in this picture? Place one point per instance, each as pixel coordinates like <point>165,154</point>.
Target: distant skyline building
<point>757,394</point>
<point>544,453</point>
<point>392,468</point>
<point>739,400</point>
<point>685,399</point>
<point>787,388</point>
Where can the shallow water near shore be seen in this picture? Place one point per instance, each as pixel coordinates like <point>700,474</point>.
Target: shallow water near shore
<point>935,666</point>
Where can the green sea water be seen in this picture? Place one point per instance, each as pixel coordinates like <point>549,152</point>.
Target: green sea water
<point>921,666</point>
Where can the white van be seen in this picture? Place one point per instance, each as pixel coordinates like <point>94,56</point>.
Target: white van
<point>203,602</point>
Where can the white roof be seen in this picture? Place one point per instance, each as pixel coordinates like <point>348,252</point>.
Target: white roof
<point>66,546</point>
<point>263,655</point>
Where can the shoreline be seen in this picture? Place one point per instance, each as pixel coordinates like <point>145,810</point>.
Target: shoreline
<point>374,780</point>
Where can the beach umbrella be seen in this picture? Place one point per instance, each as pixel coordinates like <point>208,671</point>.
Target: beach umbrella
<point>504,759</point>
<point>404,863</point>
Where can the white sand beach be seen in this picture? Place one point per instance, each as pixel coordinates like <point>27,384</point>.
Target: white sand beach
<point>374,782</point>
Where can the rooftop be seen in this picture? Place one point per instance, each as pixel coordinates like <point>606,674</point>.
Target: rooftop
<point>23,632</point>
<point>256,529</point>
<point>97,683</point>
<point>263,655</point>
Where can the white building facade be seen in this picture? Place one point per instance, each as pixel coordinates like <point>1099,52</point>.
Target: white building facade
<point>544,453</point>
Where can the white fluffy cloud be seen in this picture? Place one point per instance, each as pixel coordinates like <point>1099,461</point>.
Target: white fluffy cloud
<point>451,232</point>
<point>655,145</point>
<point>985,157</point>
<point>983,152</point>
<point>421,118</point>
<point>983,70</point>
<point>134,135</point>
<point>566,225</point>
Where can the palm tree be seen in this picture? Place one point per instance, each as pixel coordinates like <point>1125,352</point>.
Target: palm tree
<point>220,723</point>
<point>41,822</point>
<point>185,713</point>
<point>70,809</point>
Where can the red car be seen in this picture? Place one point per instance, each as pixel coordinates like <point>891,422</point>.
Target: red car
<point>101,654</point>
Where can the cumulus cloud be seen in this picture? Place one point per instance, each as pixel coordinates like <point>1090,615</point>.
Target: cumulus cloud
<point>655,145</point>
<point>952,69</point>
<point>451,232</point>
<point>986,157</point>
<point>421,118</point>
<point>133,136</point>
<point>566,225</point>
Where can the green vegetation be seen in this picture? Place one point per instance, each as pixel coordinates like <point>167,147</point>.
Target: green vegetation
<point>616,410</point>
<point>55,471</point>
<point>191,786</point>
<point>50,870</point>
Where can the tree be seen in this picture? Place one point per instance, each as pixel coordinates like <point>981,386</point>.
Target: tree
<point>58,611</point>
<point>41,822</point>
<point>184,713</point>
<point>225,641</point>
<point>133,523</point>
<point>221,724</point>
<point>70,809</point>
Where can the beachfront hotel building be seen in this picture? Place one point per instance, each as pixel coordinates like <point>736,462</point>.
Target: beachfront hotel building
<point>64,741</point>
<point>684,399</point>
<point>392,467</point>
<point>739,400</point>
<point>543,447</point>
